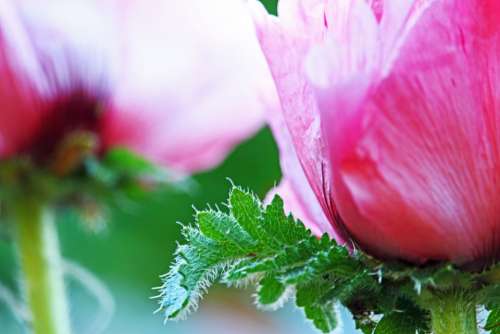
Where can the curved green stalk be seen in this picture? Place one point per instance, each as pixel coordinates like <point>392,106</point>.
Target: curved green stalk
<point>41,271</point>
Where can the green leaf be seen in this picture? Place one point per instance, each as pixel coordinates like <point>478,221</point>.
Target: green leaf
<point>493,321</point>
<point>490,297</point>
<point>347,290</point>
<point>395,323</point>
<point>283,229</point>
<point>324,317</point>
<point>407,318</point>
<point>259,243</point>
<point>270,291</point>
<point>221,227</point>
<point>196,267</point>
<point>247,211</point>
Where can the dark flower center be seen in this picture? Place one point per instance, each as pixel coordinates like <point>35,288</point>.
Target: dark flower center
<point>78,112</point>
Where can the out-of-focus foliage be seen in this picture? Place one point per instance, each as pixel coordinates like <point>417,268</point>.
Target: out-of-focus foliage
<point>142,233</point>
<point>270,5</point>
<point>137,244</point>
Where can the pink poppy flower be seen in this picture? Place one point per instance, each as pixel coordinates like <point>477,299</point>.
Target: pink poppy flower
<point>390,118</point>
<point>178,82</point>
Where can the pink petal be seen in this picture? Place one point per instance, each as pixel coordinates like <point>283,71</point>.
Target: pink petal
<point>297,129</point>
<point>343,67</point>
<point>194,83</point>
<point>303,17</point>
<point>377,8</point>
<point>421,171</point>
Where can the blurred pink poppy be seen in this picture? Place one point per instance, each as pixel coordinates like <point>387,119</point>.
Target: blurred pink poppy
<point>390,122</point>
<point>178,82</point>
<point>55,74</point>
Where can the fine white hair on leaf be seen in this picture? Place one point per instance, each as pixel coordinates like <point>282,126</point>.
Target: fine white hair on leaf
<point>285,296</point>
<point>339,329</point>
<point>242,283</point>
<point>195,295</point>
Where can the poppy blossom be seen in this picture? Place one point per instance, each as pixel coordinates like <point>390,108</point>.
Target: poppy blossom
<point>179,84</point>
<point>389,131</point>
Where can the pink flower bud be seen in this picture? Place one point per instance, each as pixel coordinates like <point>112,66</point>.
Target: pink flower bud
<point>390,118</point>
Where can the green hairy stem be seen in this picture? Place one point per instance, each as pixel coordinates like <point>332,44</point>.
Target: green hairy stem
<point>453,312</point>
<point>41,271</point>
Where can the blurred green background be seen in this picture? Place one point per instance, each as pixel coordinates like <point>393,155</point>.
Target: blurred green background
<point>136,248</point>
